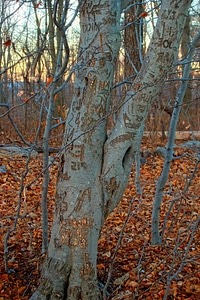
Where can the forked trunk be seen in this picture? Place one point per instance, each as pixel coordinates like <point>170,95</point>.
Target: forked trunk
<point>94,169</point>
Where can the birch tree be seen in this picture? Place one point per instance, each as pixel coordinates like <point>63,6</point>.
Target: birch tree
<point>94,167</point>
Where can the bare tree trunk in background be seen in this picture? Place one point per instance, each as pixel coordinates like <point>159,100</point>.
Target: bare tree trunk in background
<point>94,168</point>
<point>133,46</point>
<point>45,184</point>
<point>51,30</point>
<point>185,42</point>
<point>60,66</point>
<point>133,39</point>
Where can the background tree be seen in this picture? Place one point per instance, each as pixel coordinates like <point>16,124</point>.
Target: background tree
<point>133,39</point>
<point>133,48</point>
<point>186,39</point>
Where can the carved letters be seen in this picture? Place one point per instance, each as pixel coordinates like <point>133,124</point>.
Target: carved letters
<point>167,44</point>
<point>74,232</point>
<point>84,195</point>
<point>76,165</point>
<point>90,27</point>
<point>77,151</point>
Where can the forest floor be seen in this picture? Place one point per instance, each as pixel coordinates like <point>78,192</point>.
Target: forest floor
<point>138,269</point>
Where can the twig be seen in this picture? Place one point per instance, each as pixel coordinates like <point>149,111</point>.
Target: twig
<point>188,184</point>
<point>116,250</point>
<point>17,216</point>
<point>183,261</point>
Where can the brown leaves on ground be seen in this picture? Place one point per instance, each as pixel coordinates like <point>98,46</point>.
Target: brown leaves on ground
<point>139,270</point>
<point>24,243</point>
<point>143,271</point>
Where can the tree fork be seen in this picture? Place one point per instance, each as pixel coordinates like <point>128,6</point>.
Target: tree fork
<point>92,173</point>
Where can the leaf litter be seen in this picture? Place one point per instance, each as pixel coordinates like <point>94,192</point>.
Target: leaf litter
<point>137,269</point>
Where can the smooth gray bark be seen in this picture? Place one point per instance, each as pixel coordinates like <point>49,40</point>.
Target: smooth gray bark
<point>94,168</point>
<point>122,144</point>
<point>69,271</point>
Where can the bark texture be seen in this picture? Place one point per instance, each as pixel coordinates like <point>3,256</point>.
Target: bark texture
<point>69,271</point>
<point>133,36</point>
<point>121,146</point>
<point>94,168</point>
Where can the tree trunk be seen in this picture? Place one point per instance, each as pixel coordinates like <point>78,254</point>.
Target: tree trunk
<point>69,271</point>
<point>184,52</point>
<point>121,145</point>
<point>52,49</point>
<point>94,169</point>
<point>133,40</point>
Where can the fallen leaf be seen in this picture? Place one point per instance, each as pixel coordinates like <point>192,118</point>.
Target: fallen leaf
<point>132,284</point>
